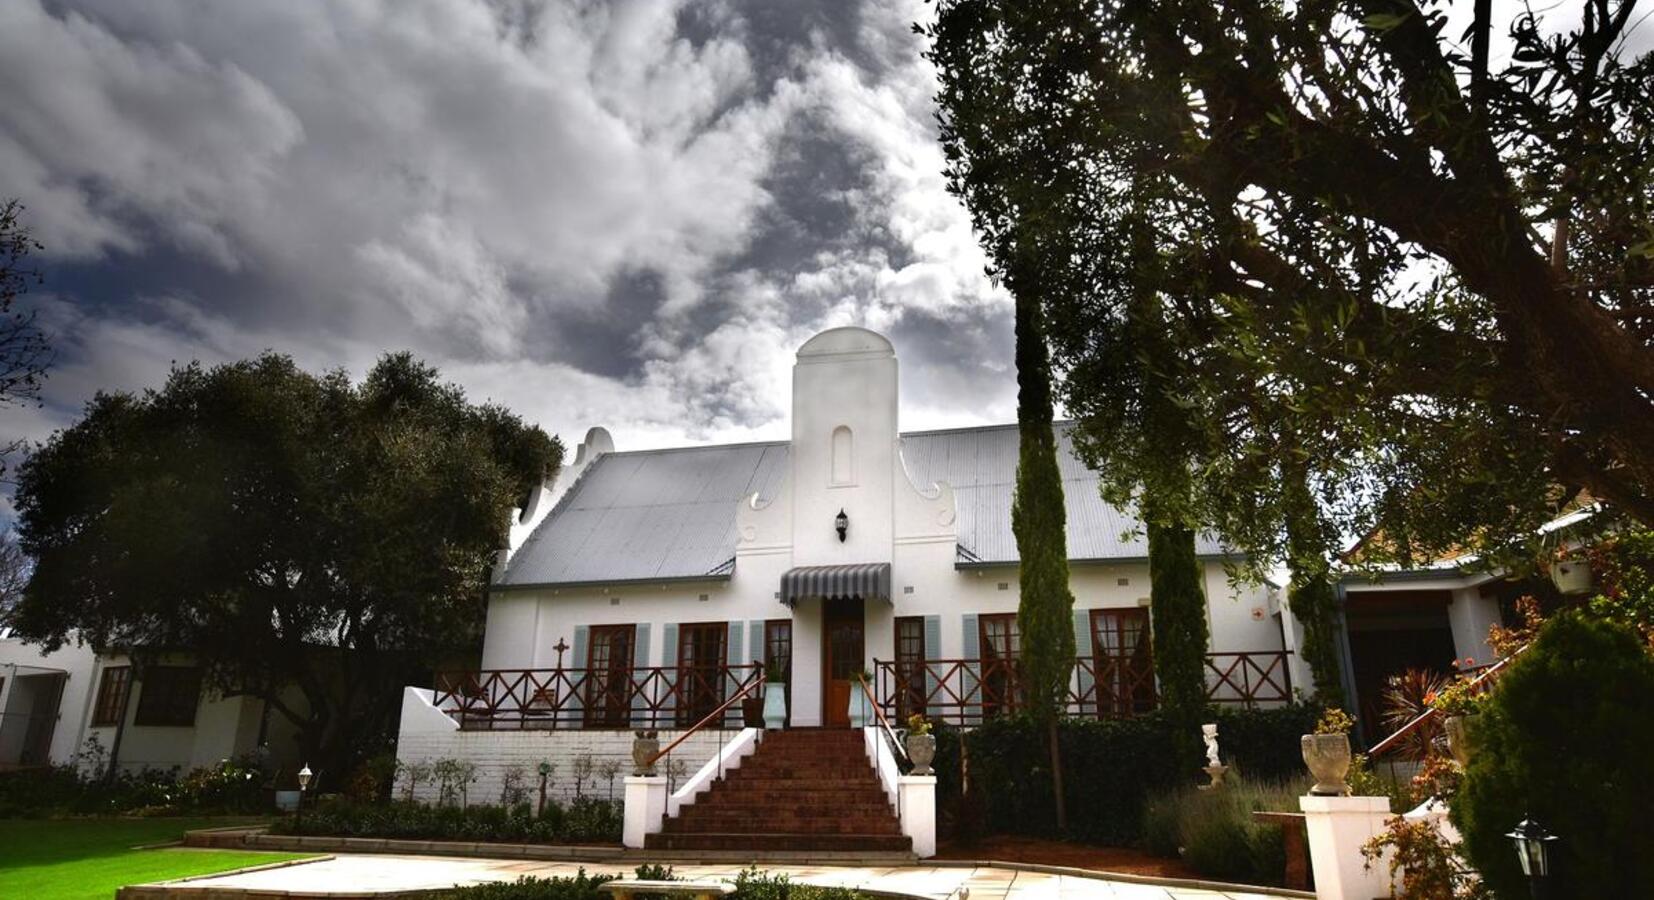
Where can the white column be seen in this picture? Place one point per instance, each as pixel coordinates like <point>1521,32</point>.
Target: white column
<point>1338,827</point>
<point>1470,615</point>
<point>917,803</point>
<point>645,810</point>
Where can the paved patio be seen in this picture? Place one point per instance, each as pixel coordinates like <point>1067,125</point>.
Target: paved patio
<point>387,874</point>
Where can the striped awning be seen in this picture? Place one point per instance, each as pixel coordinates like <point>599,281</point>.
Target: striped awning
<point>865,580</point>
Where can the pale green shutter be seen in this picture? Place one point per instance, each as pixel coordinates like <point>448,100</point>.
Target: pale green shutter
<point>970,690</point>
<point>669,668</point>
<point>1084,652</point>
<point>582,639</point>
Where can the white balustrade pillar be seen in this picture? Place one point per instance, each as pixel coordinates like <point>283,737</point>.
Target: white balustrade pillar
<point>645,810</point>
<point>917,802</point>
<point>1337,828</point>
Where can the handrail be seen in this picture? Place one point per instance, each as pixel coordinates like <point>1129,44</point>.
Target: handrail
<point>715,715</point>
<point>1389,743</point>
<point>878,715</point>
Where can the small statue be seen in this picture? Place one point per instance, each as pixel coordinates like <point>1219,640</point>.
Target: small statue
<point>1214,769</point>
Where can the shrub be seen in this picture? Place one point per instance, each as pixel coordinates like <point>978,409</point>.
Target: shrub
<point>232,786</point>
<point>752,884</point>
<point>584,821</point>
<point>1213,831</point>
<point>528,887</point>
<point>1118,763</point>
<point>1564,740</point>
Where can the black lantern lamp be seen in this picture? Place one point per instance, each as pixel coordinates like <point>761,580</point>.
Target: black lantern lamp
<point>304,785</point>
<point>1533,850</point>
<point>842,523</point>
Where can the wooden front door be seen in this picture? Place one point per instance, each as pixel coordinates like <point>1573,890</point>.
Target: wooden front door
<point>843,654</point>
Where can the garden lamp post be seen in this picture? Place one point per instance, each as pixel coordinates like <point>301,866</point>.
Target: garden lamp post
<point>304,785</point>
<point>1533,851</point>
<point>545,773</point>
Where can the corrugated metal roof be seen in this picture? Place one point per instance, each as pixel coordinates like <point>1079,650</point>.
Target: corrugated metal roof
<point>670,514</point>
<point>981,466</point>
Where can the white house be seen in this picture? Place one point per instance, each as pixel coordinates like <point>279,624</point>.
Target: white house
<point>644,588</point>
<point>53,704</point>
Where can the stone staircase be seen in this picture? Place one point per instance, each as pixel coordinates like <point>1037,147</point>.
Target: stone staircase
<point>802,789</point>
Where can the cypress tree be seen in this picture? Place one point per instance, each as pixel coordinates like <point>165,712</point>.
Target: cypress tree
<point>1038,518</point>
<point>1177,618</point>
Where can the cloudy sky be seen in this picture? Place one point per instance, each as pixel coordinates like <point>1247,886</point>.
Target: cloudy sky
<point>625,213</point>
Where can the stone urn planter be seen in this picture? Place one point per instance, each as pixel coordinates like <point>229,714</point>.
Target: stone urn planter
<point>645,744</point>
<point>921,750</point>
<point>775,706</point>
<point>1459,743</point>
<point>1328,758</point>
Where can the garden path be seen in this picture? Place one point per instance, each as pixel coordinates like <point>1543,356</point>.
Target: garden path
<point>386,873</point>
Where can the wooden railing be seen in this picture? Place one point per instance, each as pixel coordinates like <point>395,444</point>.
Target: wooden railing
<point>1482,679</point>
<point>967,691</point>
<point>714,719</point>
<point>618,698</point>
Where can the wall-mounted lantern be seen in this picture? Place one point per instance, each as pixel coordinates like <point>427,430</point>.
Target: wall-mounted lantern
<point>842,523</point>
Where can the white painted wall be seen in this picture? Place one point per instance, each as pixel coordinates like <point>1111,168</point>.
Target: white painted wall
<point>428,735</point>
<point>225,727</point>
<point>79,662</point>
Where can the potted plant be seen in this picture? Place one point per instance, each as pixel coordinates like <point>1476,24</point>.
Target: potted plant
<point>921,744</point>
<point>1327,753</point>
<point>1572,575</point>
<point>775,696</point>
<point>645,744</point>
<point>860,709</point>
<point>1456,703</point>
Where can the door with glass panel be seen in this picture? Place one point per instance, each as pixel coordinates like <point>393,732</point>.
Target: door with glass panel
<point>778,656</point>
<point>844,654</point>
<point>609,676</point>
<point>1122,656</point>
<point>701,667</point>
<point>1001,645</point>
<point>910,666</point>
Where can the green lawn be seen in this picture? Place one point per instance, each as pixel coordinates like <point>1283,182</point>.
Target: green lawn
<point>88,859</point>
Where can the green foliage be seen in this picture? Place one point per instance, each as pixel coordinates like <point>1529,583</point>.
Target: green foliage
<point>24,353</point>
<point>1213,830</point>
<point>1046,607</point>
<point>1238,211</point>
<point>231,786</point>
<point>1564,741</point>
<point>1177,617</point>
<point>1624,566</point>
<point>583,821</point>
<point>284,528</point>
<point>1124,761</point>
<point>530,887</point>
<point>654,872</point>
<point>751,884</point>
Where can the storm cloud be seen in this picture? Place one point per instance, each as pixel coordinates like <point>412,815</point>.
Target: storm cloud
<point>616,213</point>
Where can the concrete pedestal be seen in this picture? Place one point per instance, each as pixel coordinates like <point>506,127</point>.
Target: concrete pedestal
<point>917,803</point>
<point>645,810</point>
<point>1337,828</point>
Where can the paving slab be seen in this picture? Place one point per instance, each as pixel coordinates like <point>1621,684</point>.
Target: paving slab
<point>365,874</point>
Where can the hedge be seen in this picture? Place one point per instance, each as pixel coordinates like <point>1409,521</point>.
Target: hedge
<point>582,822</point>
<point>751,884</point>
<point>1113,766</point>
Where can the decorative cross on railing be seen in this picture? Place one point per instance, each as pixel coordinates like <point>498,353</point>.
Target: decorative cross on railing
<point>560,647</point>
